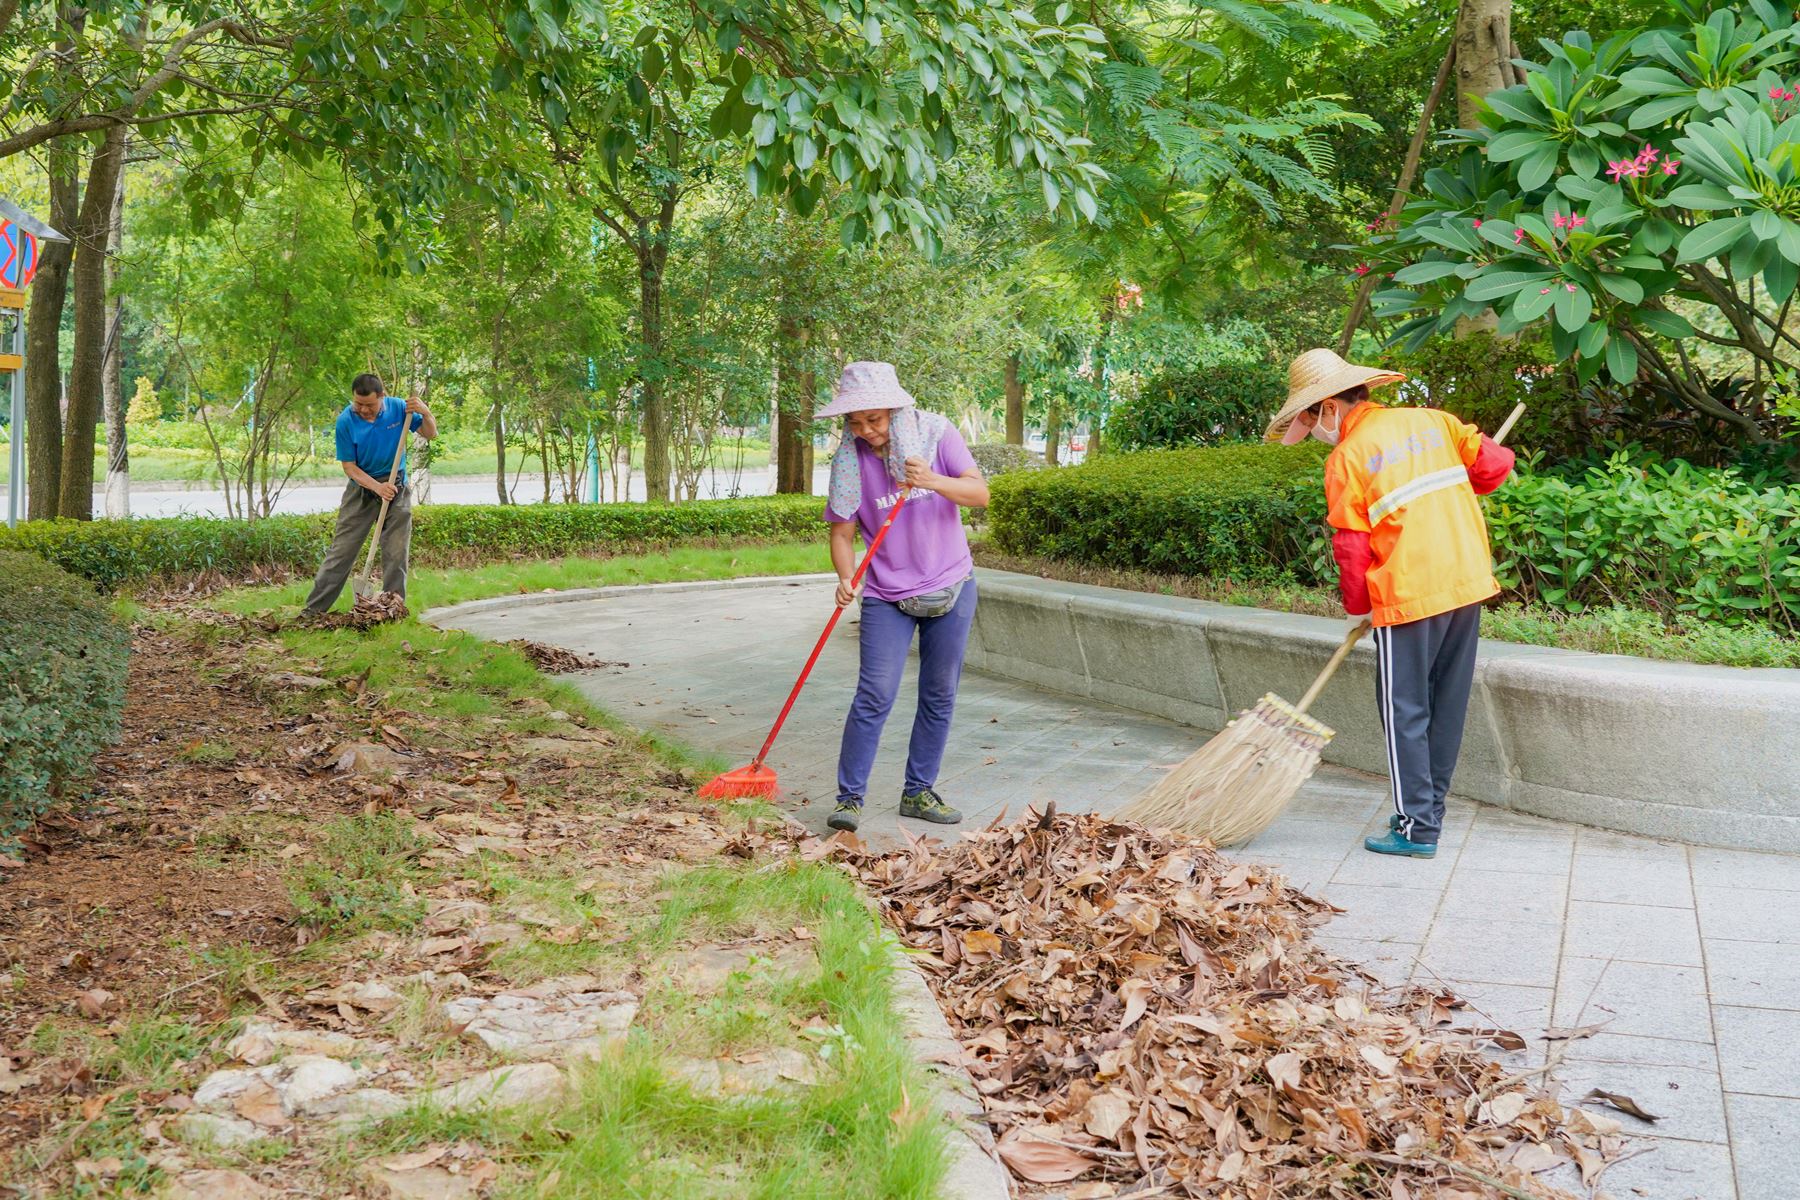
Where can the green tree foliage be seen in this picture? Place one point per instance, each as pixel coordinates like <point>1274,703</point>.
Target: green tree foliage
<point>264,319</point>
<point>1635,196</point>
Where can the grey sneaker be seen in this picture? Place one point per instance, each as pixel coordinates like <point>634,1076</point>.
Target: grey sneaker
<point>847,814</point>
<point>927,805</point>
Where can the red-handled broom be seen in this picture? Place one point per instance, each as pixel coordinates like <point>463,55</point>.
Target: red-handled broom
<point>758,780</point>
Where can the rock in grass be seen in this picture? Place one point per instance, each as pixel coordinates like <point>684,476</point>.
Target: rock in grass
<point>580,1025</point>
<point>524,1085</point>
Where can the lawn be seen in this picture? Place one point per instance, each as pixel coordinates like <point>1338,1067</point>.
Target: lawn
<point>596,857</point>
<point>434,587</point>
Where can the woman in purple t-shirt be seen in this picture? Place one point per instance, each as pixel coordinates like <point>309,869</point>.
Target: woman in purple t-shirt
<point>921,579</point>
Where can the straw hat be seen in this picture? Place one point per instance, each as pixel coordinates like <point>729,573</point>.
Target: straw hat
<point>866,385</point>
<point>1318,375</point>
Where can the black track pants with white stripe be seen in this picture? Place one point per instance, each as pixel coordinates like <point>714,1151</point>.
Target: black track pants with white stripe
<point>1426,669</point>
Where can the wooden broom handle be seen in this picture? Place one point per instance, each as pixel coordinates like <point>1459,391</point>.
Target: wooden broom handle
<point>1355,635</point>
<point>1337,660</point>
<point>1506,428</point>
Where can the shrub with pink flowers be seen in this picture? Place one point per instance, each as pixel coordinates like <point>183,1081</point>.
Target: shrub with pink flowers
<point>1622,194</point>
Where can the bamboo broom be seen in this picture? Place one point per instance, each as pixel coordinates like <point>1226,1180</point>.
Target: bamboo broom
<point>1233,788</point>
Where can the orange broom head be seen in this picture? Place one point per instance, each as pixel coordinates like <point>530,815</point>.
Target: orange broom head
<point>754,782</point>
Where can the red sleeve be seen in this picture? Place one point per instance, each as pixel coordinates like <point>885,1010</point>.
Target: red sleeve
<point>1492,465</point>
<point>1354,554</point>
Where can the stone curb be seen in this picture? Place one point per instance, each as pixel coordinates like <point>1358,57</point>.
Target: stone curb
<point>1682,751</point>
<point>449,612</point>
<point>974,1170</point>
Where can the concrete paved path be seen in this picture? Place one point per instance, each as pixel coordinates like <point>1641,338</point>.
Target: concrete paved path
<point>1690,956</point>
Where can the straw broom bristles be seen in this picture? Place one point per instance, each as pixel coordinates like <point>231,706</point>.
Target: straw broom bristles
<point>1233,787</point>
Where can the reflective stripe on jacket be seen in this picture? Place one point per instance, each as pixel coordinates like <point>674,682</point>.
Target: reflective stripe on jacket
<point>1401,476</point>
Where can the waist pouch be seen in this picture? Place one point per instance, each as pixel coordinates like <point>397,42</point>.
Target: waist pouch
<point>932,604</point>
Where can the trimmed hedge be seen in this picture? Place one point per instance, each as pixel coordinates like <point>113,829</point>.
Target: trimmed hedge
<point>1220,404</point>
<point>1685,542</point>
<point>1240,512</point>
<point>1003,458</point>
<point>116,553</point>
<point>62,684</point>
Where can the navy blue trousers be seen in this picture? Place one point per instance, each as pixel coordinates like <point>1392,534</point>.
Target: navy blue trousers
<point>1426,670</point>
<point>887,635</point>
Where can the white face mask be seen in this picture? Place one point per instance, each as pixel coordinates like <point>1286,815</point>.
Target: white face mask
<point>1329,436</point>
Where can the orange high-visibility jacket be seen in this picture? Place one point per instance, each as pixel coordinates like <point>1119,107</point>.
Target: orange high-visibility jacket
<point>1400,489</point>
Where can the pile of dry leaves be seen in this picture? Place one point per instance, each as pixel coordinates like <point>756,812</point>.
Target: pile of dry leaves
<point>554,660</point>
<point>372,610</point>
<point>1148,1017</point>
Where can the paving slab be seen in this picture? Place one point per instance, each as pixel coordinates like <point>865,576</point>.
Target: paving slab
<point>1537,922</point>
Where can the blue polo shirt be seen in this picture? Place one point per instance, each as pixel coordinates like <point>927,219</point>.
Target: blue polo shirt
<point>371,444</point>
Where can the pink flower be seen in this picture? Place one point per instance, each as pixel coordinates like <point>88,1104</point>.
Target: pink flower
<point>1570,286</point>
<point>1577,221</point>
<point>1558,220</point>
<point>1478,222</point>
<point>1647,155</point>
<point>1775,93</point>
<point>1618,170</point>
<point>1544,292</point>
<point>1362,268</point>
<point>1671,165</point>
<point>1518,236</point>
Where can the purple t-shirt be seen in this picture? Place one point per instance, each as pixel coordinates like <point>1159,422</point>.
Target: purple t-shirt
<point>926,549</point>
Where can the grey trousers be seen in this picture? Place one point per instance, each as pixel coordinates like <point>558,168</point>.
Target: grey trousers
<point>356,516</point>
<point>1425,671</point>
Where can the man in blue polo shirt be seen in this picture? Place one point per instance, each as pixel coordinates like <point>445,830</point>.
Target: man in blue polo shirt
<point>368,435</point>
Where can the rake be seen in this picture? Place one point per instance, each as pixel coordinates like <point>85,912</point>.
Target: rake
<point>1233,788</point>
<point>758,780</point>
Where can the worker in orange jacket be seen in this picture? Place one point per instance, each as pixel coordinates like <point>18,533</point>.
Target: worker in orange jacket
<point>1413,560</point>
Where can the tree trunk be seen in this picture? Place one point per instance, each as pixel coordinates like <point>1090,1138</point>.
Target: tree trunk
<point>118,458</point>
<point>652,255</point>
<point>43,342</point>
<point>1015,402</point>
<point>85,372</point>
<point>1053,433</point>
<point>499,414</point>
<point>1483,42</point>
<point>794,408</point>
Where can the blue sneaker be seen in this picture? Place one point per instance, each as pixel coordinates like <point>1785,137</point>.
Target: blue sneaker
<point>1393,843</point>
<point>1393,822</point>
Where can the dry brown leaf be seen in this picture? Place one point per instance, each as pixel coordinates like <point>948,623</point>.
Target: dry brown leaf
<point>1623,1103</point>
<point>980,942</point>
<point>1135,994</point>
<point>1284,1070</point>
<point>1533,1157</point>
<point>1106,1113</point>
<point>1042,1162</point>
<point>415,1160</point>
<point>261,1105</point>
<point>93,1003</point>
<point>1505,1109</point>
<point>1556,1034</point>
<point>1097,1189</point>
<point>1383,1062</point>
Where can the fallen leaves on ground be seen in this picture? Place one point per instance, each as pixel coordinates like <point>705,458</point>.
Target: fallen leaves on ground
<point>1140,1011</point>
<point>554,660</point>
